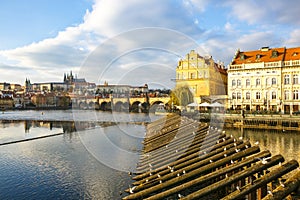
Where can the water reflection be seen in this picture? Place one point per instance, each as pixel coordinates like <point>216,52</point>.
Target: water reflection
<point>61,167</point>
<point>278,142</point>
<point>56,168</point>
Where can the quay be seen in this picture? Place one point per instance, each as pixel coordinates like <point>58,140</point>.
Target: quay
<point>271,122</point>
<point>250,121</point>
<point>183,158</point>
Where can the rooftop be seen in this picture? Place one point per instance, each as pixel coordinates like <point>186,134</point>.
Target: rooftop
<point>266,54</point>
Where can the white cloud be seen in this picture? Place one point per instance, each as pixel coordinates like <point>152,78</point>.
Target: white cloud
<point>294,38</point>
<point>265,12</point>
<point>223,47</point>
<point>108,18</point>
<point>229,27</point>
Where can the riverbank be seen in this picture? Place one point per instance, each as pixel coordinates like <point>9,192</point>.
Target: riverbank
<point>282,122</point>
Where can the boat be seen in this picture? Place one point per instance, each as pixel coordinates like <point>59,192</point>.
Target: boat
<point>160,110</point>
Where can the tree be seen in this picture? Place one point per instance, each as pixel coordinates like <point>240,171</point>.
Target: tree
<point>181,96</point>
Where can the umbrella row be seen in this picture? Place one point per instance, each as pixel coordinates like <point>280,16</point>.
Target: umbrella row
<point>205,104</point>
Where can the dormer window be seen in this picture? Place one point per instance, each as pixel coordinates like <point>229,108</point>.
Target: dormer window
<point>258,56</point>
<point>242,56</point>
<point>274,54</point>
<point>295,54</point>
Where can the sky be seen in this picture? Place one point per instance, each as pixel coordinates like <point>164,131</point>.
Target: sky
<point>134,42</point>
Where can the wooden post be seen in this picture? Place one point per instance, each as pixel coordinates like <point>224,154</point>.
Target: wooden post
<point>262,181</point>
<point>243,174</point>
<point>199,170</point>
<point>291,185</point>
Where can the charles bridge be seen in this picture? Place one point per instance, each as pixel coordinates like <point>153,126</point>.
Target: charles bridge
<point>134,104</point>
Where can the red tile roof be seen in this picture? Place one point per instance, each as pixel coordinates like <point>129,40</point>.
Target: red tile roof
<point>263,55</point>
<point>267,55</point>
<point>292,54</point>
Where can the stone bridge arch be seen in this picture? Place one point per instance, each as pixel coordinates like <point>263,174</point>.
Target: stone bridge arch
<point>105,106</point>
<point>120,106</point>
<point>155,105</point>
<point>135,106</point>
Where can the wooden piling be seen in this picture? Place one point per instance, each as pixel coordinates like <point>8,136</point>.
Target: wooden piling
<point>182,157</point>
<point>273,175</point>
<point>289,186</point>
<point>240,175</point>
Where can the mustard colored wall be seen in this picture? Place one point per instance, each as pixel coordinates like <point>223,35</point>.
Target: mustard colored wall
<point>202,75</point>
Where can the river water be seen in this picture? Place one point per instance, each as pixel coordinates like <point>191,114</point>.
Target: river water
<point>93,156</point>
<point>90,163</point>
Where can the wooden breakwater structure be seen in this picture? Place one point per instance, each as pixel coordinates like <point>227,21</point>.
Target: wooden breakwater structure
<point>186,159</point>
<point>290,124</point>
<point>267,122</point>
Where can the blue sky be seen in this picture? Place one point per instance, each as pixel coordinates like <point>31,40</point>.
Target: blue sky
<point>43,39</point>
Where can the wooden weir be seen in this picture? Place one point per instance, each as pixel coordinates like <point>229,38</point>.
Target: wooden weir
<point>185,159</point>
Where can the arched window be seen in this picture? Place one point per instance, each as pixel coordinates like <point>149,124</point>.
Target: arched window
<point>295,94</point>
<point>286,95</point>
<point>239,95</point>
<point>257,95</point>
<point>233,95</point>
<point>267,81</point>
<point>286,79</point>
<point>273,81</point>
<point>258,81</point>
<point>248,95</point>
<point>247,82</point>
<point>233,82</point>
<point>295,79</point>
<point>273,95</point>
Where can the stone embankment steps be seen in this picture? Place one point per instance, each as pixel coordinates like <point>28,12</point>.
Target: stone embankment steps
<point>183,158</point>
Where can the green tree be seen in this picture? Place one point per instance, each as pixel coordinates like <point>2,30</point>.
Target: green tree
<point>181,96</point>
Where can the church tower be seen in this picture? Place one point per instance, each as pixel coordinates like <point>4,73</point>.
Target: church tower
<point>27,85</point>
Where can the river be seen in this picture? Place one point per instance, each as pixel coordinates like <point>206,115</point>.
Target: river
<point>94,155</point>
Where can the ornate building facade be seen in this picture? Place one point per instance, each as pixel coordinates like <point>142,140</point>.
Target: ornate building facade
<point>265,79</point>
<point>205,78</point>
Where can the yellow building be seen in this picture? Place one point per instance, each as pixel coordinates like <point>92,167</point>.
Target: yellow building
<point>265,79</point>
<point>204,78</point>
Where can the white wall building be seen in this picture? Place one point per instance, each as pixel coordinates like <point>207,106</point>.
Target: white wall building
<point>265,79</point>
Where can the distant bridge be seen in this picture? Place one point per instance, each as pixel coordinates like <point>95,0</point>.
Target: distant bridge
<point>134,104</point>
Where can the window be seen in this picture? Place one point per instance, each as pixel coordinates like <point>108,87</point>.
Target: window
<point>239,95</point>
<point>257,82</point>
<point>248,95</point>
<point>267,81</point>
<point>273,81</point>
<point>247,82</point>
<point>286,79</point>
<point>239,82</point>
<point>295,95</point>
<point>286,95</point>
<point>267,95</point>
<point>199,74</point>
<point>273,95</point>
<point>242,56</point>
<point>295,79</point>
<point>193,76</point>
<point>274,54</point>
<point>233,95</point>
<point>233,82</point>
<point>257,95</point>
